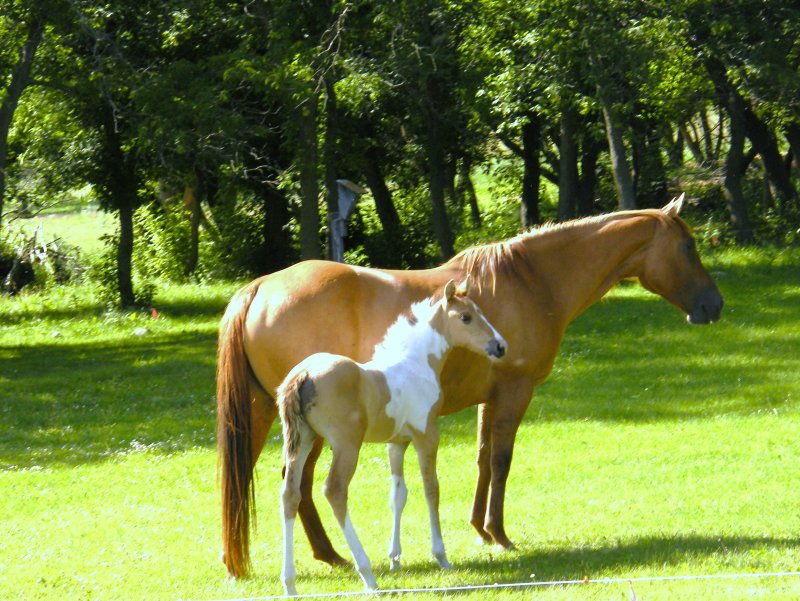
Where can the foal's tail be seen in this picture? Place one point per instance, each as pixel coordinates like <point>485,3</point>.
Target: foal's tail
<point>290,407</point>
<point>234,434</point>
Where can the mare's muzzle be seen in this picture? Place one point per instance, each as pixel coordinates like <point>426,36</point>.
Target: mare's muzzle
<point>496,348</point>
<point>707,307</point>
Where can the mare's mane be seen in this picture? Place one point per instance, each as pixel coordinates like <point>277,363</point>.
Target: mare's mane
<point>509,258</point>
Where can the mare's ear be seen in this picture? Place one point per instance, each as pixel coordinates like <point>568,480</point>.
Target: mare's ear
<point>463,287</point>
<point>675,205</point>
<point>449,290</point>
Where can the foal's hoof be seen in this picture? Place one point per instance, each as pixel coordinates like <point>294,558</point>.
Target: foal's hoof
<point>443,563</point>
<point>395,564</point>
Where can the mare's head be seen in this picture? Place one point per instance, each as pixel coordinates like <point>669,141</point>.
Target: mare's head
<point>465,325</point>
<point>672,269</point>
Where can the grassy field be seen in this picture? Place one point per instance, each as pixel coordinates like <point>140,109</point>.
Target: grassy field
<point>81,229</point>
<point>655,449</point>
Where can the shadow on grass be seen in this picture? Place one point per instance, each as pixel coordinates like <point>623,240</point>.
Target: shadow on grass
<point>71,404</point>
<point>629,358</point>
<point>600,561</point>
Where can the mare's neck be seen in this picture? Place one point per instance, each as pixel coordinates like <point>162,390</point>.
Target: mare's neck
<point>580,262</point>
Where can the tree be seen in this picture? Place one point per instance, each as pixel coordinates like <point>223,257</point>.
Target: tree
<point>31,22</point>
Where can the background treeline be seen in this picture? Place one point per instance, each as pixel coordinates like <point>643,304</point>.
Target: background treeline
<point>215,130</point>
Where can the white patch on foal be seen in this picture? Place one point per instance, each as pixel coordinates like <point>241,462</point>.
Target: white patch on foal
<point>402,357</point>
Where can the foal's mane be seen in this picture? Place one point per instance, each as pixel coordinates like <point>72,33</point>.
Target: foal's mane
<point>486,263</point>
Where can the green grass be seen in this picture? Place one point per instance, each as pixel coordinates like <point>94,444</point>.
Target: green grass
<point>81,229</point>
<point>655,449</point>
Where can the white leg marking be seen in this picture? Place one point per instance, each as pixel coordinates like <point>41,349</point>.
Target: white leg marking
<point>288,576</point>
<point>359,555</point>
<point>397,499</point>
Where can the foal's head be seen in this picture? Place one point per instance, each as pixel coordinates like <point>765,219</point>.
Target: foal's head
<point>464,325</point>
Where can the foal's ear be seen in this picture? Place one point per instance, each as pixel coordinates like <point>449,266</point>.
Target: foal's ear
<point>449,290</point>
<point>463,287</point>
<point>675,205</point>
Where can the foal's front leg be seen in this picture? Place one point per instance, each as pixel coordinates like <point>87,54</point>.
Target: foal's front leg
<point>397,497</point>
<point>427,445</point>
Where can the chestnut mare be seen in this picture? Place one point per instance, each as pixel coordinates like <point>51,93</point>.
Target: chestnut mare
<point>544,278</point>
<point>393,398</point>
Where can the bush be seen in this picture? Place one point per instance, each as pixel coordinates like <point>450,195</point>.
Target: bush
<point>32,260</point>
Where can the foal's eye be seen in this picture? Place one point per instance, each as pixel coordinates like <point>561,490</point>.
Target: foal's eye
<point>465,318</point>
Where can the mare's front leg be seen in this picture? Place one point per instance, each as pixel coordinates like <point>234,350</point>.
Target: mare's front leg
<point>290,501</point>
<point>478,514</point>
<point>397,497</point>
<point>511,399</point>
<point>343,466</point>
<point>427,446</point>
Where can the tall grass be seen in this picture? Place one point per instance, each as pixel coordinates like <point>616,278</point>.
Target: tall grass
<point>654,449</point>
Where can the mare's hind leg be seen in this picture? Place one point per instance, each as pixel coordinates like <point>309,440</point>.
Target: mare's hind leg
<point>290,501</point>
<point>427,446</point>
<point>320,543</point>
<point>343,466</point>
<point>397,498</point>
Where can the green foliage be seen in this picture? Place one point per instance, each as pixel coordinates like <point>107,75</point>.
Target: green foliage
<point>103,275</point>
<point>163,241</point>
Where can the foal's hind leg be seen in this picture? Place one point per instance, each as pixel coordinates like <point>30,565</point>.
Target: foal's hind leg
<point>290,501</point>
<point>427,446</point>
<point>343,466</point>
<point>397,497</point>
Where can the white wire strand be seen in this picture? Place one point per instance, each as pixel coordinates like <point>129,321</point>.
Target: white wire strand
<point>534,584</point>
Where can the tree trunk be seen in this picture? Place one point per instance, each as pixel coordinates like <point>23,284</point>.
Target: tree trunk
<point>792,133</point>
<point>330,160</point>
<point>125,254</point>
<point>616,149</point>
<point>309,181</point>
<point>467,191</point>
<point>707,134</point>
<point>590,153</point>
<point>277,252</point>
<point>764,142</point>
<point>691,143</point>
<point>191,206</point>
<point>734,163</point>
<point>568,183</point>
<point>437,185</point>
<point>531,143</point>
<point>675,148</point>
<point>650,177</point>
<point>19,80</point>
<point>384,205</point>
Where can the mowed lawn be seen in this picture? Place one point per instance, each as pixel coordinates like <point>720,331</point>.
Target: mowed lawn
<point>655,449</point>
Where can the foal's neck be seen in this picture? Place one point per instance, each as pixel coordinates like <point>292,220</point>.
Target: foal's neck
<point>415,339</point>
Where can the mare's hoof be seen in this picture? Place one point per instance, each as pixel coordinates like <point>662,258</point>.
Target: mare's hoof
<point>333,559</point>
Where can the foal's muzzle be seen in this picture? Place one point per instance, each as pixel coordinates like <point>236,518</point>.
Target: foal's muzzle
<point>495,348</point>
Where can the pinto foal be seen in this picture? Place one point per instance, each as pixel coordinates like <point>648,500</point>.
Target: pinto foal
<point>392,398</point>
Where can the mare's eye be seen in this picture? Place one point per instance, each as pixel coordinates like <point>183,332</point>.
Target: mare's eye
<point>465,318</point>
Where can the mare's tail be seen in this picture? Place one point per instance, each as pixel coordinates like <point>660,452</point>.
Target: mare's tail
<point>234,434</point>
<point>290,406</point>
